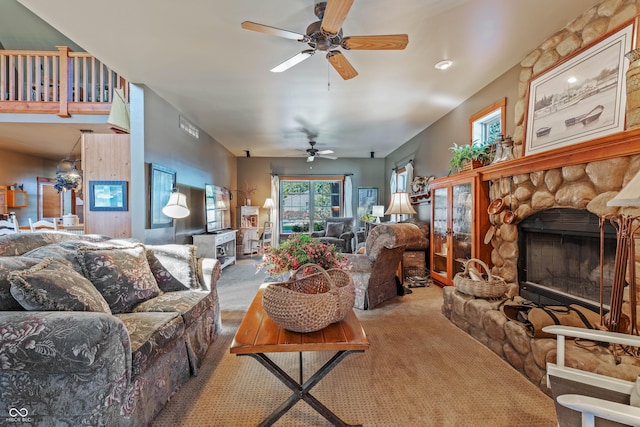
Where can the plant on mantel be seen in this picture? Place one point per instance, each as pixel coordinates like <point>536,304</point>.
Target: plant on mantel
<point>474,152</point>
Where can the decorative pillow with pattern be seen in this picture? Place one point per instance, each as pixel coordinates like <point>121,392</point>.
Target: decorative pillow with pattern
<point>334,229</point>
<point>51,285</point>
<point>175,267</point>
<point>121,274</point>
<point>7,265</point>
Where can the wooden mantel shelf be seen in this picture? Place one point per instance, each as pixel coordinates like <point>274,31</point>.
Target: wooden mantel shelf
<point>621,144</point>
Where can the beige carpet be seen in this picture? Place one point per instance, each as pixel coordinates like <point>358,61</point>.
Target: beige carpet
<point>421,370</point>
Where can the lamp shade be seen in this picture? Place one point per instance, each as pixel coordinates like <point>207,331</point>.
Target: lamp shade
<point>119,114</point>
<point>176,207</point>
<point>268,204</point>
<point>629,195</point>
<point>400,204</point>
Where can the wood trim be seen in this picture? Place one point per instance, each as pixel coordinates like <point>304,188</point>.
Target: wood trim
<point>621,144</point>
<point>502,104</point>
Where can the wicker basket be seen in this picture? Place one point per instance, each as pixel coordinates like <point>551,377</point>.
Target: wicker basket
<point>491,287</point>
<point>312,302</point>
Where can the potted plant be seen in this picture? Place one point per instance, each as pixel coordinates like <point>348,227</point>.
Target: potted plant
<point>468,156</point>
<point>65,183</point>
<point>301,249</point>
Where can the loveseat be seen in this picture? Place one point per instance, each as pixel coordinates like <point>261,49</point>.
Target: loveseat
<point>97,331</point>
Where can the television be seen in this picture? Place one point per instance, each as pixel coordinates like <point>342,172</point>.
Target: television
<point>217,204</point>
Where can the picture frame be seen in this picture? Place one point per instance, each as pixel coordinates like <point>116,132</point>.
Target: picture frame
<point>108,196</point>
<point>162,182</point>
<point>581,98</point>
<point>367,198</point>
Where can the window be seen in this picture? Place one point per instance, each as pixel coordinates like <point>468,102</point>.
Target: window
<point>488,124</point>
<point>305,203</point>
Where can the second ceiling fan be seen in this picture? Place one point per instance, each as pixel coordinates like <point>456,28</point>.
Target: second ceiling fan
<point>326,35</point>
<point>313,152</point>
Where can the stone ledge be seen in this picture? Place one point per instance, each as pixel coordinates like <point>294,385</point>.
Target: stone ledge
<point>483,320</point>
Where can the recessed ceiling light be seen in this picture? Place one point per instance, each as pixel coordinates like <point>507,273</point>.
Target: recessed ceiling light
<point>443,65</point>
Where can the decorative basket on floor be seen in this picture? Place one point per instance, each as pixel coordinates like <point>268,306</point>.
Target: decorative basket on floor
<point>310,303</point>
<point>489,287</point>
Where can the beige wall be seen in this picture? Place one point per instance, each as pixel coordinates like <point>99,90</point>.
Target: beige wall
<point>24,169</point>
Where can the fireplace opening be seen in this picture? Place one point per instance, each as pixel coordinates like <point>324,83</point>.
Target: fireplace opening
<point>559,260</point>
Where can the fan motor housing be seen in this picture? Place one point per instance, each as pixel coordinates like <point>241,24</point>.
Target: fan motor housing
<point>320,40</point>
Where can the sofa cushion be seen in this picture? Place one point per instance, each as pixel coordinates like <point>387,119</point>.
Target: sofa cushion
<point>15,244</point>
<point>51,285</point>
<point>7,265</point>
<point>175,267</point>
<point>121,274</point>
<point>151,334</point>
<point>191,304</point>
<point>57,251</point>
<point>334,229</point>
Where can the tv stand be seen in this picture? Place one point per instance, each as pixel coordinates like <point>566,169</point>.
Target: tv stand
<point>221,246</point>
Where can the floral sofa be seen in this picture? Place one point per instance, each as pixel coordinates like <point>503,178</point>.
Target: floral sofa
<point>96,331</point>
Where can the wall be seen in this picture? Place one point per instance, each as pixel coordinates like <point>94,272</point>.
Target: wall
<point>196,161</point>
<point>256,171</point>
<point>23,169</point>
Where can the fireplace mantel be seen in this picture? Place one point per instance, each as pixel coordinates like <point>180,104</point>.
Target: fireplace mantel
<point>617,145</point>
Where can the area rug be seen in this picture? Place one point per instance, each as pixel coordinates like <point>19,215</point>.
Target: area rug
<point>420,370</point>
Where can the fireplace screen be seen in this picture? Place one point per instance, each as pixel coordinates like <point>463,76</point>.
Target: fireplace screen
<point>560,257</point>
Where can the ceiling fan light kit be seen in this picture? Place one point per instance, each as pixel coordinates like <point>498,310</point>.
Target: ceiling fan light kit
<point>326,35</point>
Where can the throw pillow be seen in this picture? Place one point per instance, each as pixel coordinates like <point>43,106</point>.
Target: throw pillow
<point>55,286</point>
<point>121,274</point>
<point>334,229</point>
<point>9,264</point>
<point>175,267</point>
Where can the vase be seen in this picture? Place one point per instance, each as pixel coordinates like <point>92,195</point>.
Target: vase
<point>633,89</point>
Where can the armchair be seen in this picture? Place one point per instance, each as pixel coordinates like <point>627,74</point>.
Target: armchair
<point>337,231</point>
<point>374,273</point>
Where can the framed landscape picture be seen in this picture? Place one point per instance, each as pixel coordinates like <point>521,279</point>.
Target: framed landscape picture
<point>367,197</point>
<point>583,97</point>
<point>162,181</point>
<point>108,196</point>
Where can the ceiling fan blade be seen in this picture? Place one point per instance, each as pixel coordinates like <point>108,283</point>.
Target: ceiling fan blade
<point>253,26</point>
<point>341,65</point>
<point>310,158</point>
<point>328,157</point>
<point>388,42</point>
<point>294,60</point>
<point>323,152</point>
<point>334,15</point>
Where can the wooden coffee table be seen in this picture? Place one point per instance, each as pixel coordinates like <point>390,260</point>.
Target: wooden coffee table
<point>258,334</point>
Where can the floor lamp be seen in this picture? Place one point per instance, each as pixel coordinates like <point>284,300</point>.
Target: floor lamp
<point>176,208</point>
<point>268,204</point>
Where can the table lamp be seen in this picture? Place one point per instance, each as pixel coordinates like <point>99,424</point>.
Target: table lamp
<point>400,204</point>
<point>377,211</point>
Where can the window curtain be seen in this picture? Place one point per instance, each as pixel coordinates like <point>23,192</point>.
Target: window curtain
<point>275,210</point>
<point>409,169</point>
<point>393,184</point>
<point>348,196</point>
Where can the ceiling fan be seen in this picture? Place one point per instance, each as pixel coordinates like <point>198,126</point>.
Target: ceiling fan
<point>326,35</point>
<point>313,152</point>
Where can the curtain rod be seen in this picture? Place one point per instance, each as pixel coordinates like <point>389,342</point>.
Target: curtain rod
<point>312,174</point>
<point>399,167</point>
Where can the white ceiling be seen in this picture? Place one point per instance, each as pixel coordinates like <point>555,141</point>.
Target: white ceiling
<point>194,54</point>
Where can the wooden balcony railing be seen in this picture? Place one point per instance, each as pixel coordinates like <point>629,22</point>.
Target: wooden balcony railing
<point>61,83</point>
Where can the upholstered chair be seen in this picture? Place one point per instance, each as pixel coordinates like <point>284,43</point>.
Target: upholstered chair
<point>337,231</point>
<point>374,272</point>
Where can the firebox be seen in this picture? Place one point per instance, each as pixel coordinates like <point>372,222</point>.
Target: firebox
<point>559,257</point>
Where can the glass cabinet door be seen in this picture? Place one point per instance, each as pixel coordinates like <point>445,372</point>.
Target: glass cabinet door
<point>440,230</point>
<point>461,221</point>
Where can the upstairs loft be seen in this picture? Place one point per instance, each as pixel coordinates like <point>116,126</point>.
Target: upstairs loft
<point>60,82</point>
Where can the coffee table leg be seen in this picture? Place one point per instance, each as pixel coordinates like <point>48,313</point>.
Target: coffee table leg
<point>302,391</point>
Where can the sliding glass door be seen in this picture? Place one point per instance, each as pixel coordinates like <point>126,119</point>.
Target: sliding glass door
<point>305,203</point>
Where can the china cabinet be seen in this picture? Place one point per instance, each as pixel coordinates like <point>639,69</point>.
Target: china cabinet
<point>3,199</point>
<point>249,220</point>
<point>459,221</point>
